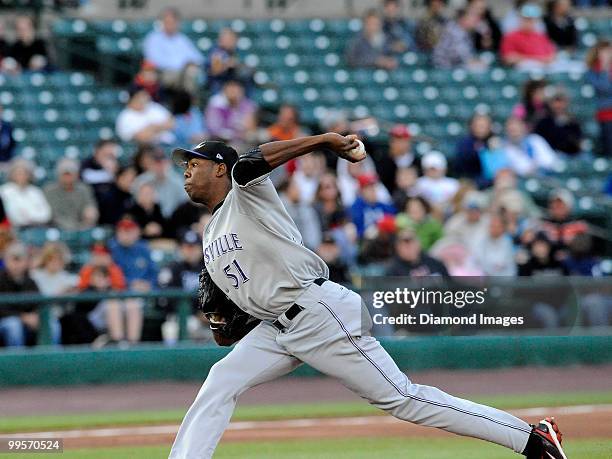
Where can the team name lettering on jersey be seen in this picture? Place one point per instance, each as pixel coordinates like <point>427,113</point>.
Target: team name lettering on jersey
<point>222,245</point>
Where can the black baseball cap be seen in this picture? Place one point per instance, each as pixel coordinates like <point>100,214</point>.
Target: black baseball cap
<point>212,150</point>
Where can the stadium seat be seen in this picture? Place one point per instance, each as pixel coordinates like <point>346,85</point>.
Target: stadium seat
<point>341,28</point>
<point>71,28</point>
<point>110,28</point>
<point>123,45</point>
<point>139,28</point>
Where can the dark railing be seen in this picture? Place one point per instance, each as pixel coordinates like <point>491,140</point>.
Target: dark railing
<point>513,294</point>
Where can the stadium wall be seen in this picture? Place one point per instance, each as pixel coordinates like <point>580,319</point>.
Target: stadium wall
<point>44,366</point>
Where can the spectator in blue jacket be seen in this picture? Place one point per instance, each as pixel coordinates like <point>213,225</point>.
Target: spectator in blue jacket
<point>366,211</point>
<point>7,142</point>
<point>467,153</point>
<point>133,256</point>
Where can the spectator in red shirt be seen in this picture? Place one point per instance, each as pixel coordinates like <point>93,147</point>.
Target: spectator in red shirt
<point>287,127</point>
<point>101,257</point>
<point>526,47</point>
<point>148,79</point>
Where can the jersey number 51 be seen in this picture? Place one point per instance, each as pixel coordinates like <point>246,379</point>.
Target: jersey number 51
<point>238,278</point>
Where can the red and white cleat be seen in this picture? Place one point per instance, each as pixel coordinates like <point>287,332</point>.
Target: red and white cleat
<point>548,431</point>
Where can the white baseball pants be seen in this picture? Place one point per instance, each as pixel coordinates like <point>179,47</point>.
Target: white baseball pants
<point>328,336</point>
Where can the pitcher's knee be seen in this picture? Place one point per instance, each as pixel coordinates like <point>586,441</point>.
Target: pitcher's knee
<point>398,402</point>
<point>225,381</point>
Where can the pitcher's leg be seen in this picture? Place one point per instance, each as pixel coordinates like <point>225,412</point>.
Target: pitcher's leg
<point>255,359</point>
<point>364,366</point>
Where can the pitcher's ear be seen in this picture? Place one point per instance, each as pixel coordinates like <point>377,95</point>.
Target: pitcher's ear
<point>221,169</point>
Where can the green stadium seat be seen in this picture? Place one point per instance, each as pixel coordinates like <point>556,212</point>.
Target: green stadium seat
<point>465,110</point>
<point>110,97</point>
<point>266,44</point>
<point>294,28</point>
<point>78,240</point>
<point>72,28</point>
<point>61,81</point>
<point>400,78</point>
<point>360,111</point>
<point>300,44</point>
<point>412,59</point>
<point>122,45</point>
<point>216,26</point>
<point>423,112</point>
<point>442,77</point>
<point>34,236</point>
<point>420,76</point>
<point>501,110</point>
<point>451,93</point>
<point>282,77</point>
<point>139,28</point>
<point>411,94</point>
<point>292,96</point>
<point>261,27</point>
<point>322,77</point>
<point>333,96</point>
<point>317,25</point>
<point>606,267</point>
<point>306,61</point>
<point>116,27</point>
<point>9,83</point>
<point>371,95</point>
<point>343,28</point>
<point>447,147</point>
<point>382,112</point>
<point>362,77</point>
<point>267,62</point>
<point>75,98</point>
<point>600,26</point>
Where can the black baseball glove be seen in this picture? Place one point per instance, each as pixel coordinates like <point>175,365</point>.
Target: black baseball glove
<point>228,322</point>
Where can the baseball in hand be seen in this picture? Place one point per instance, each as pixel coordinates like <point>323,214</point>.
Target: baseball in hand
<point>358,153</point>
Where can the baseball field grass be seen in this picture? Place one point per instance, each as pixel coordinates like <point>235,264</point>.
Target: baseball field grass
<point>284,411</point>
<point>363,447</point>
<point>346,448</point>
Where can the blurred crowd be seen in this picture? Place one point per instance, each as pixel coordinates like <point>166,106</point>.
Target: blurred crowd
<point>529,38</point>
<point>399,212</point>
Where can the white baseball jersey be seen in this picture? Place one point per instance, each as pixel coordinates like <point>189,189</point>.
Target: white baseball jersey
<point>254,252</point>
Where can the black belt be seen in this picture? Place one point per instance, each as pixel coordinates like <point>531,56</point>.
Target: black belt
<point>294,310</point>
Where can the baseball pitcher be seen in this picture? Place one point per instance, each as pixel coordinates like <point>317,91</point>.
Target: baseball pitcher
<point>264,290</point>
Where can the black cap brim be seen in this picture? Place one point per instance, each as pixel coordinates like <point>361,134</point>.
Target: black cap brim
<point>215,151</point>
<point>181,156</point>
